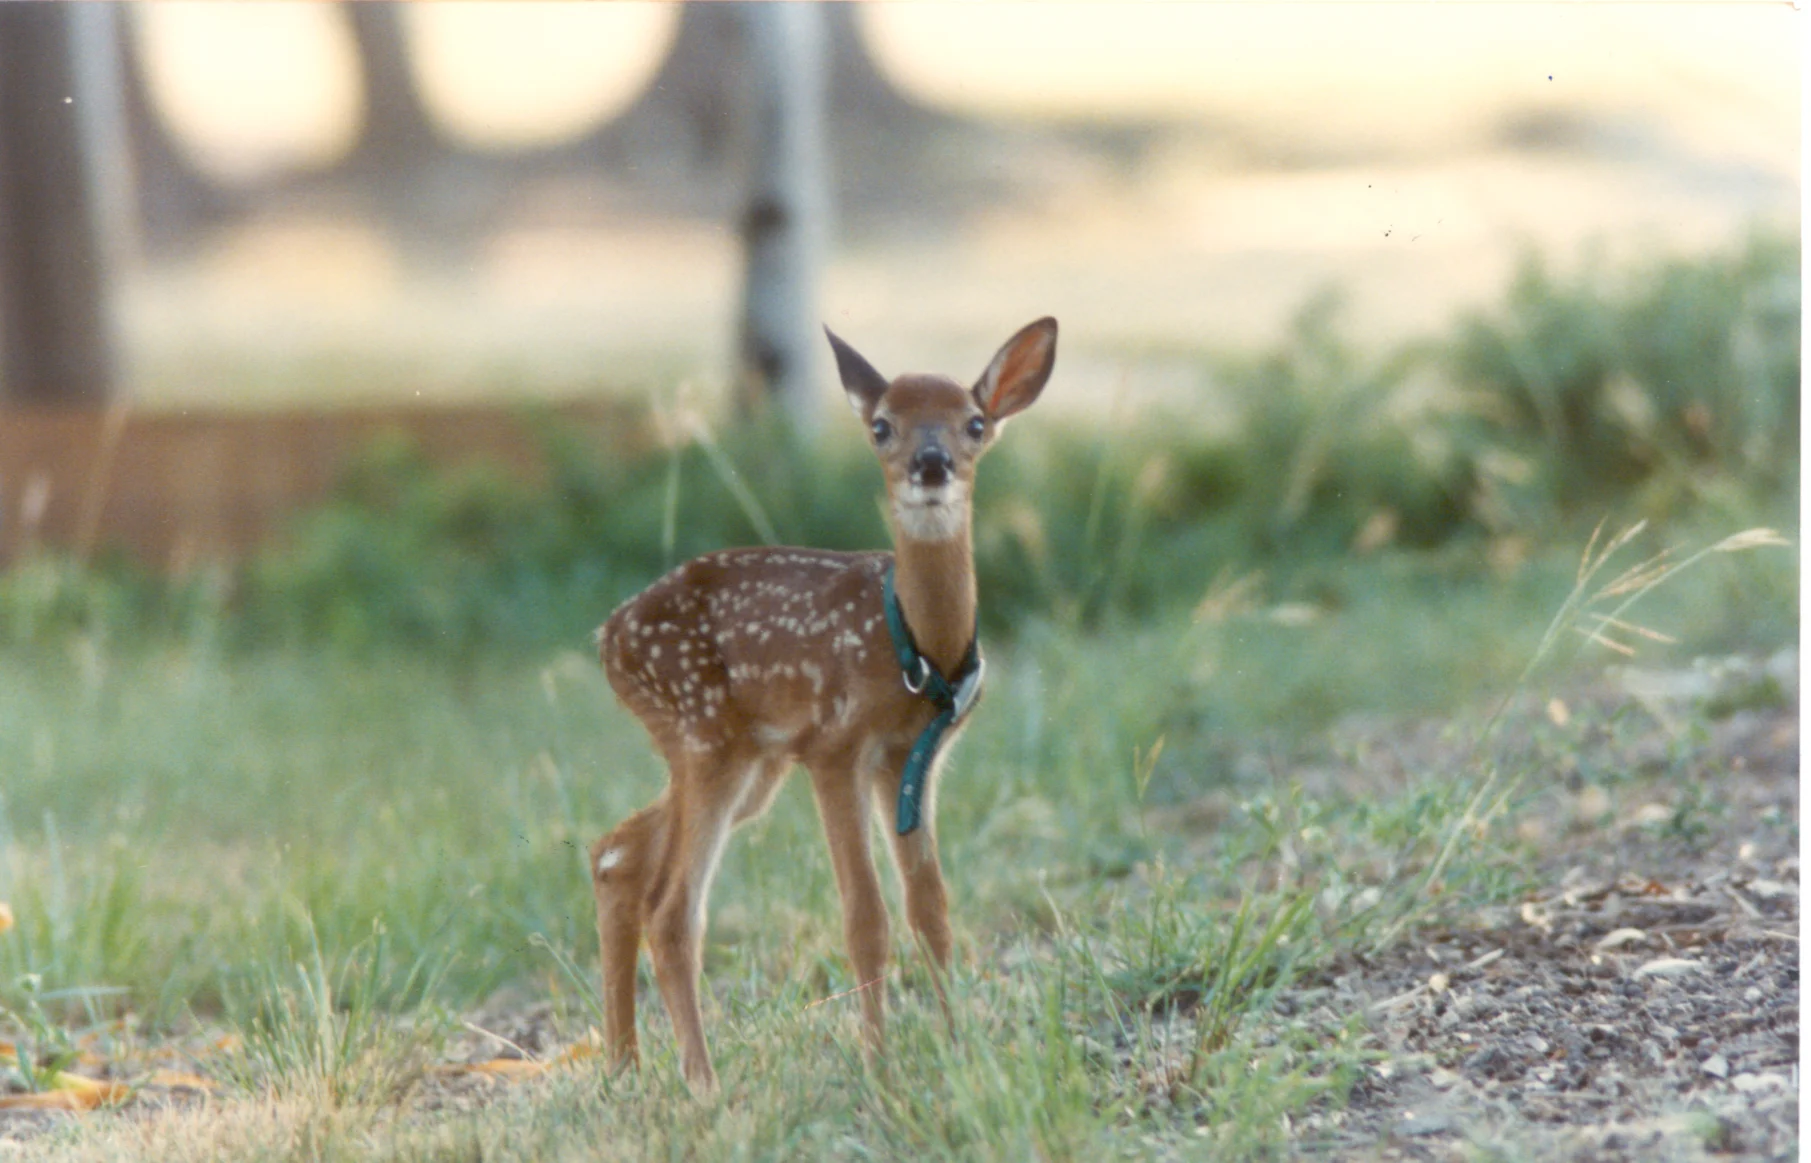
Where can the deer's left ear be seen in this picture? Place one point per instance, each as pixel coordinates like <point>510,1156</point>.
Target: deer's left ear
<point>864,385</point>
<point>1019,371</point>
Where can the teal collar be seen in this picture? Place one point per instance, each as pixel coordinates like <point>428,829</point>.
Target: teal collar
<point>952,700</point>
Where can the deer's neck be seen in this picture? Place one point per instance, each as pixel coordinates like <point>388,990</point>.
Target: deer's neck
<point>935,581</point>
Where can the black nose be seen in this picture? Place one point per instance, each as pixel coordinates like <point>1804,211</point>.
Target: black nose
<point>931,465</point>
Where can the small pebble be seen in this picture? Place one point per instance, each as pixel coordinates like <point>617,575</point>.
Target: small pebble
<point>1413,1124</point>
<point>1621,937</point>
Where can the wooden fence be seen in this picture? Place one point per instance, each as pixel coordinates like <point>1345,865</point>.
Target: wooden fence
<point>173,488</point>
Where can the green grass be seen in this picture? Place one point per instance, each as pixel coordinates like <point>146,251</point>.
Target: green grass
<point>336,855</point>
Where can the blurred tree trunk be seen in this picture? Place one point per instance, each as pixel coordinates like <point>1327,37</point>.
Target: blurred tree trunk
<point>397,137</point>
<point>681,140</point>
<point>55,346</point>
<point>783,219</point>
<point>432,196</point>
<point>676,143</point>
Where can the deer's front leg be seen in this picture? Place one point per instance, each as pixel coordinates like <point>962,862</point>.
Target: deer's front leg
<point>927,902</point>
<point>842,793</point>
<point>701,804</point>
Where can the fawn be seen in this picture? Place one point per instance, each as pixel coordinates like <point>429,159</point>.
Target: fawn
<point>858,666</point>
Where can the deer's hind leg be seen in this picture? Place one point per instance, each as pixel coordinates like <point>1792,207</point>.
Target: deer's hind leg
<point>622,866</point>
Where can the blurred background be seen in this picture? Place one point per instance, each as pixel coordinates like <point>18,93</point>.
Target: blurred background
<point>537,198</point>
<point>1376,273</point>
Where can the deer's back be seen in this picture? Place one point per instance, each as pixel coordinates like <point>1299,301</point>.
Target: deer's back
<point>784,647</point>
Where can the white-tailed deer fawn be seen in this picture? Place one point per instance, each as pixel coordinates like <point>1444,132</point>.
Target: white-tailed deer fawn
<point>856,665</point>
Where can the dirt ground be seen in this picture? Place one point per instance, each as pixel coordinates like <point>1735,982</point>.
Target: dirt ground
<point>1644,1004</point>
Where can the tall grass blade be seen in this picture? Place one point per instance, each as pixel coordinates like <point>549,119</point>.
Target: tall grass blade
<point>732,480</point>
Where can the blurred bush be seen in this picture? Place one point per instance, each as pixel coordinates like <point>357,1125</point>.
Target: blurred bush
<point>1659,392</point>
<point>1676,378</point>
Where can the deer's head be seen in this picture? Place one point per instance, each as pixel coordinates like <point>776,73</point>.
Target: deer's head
<point>929,431</point>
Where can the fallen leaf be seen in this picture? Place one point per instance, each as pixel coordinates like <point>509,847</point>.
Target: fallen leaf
<point>1438,983</point>
<point>505,1068</point>
<point>69,1092</point>
<point>180,1080</point>
<point>1768,889</point>
<point>1669,967</point>
<point>109,1091</point>
<point>1620,938</point>
<point>511,1067</point>
<point>1716,1066</point>
<point>519,1068</point>
<point>576,1052</point>
<point>1769,1080</point>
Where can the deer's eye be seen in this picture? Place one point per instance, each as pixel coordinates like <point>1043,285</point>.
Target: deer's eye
<point>977,428</point>
<point>882,431</point>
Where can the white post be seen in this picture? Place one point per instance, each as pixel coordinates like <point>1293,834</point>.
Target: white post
<point>784,221</point>
<point>98,51</point>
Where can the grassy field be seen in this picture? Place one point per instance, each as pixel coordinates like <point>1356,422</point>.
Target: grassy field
<point>308,833</point>
<point>307,873</point>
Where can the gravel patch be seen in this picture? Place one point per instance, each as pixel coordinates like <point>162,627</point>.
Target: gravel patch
<point>1644,1003</point>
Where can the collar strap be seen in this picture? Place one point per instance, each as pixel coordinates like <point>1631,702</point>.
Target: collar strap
<point>952,700</point>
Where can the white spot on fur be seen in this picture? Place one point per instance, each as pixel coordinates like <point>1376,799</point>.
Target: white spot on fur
<point>609,860</point>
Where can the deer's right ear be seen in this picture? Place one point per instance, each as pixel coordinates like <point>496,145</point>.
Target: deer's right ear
<point>864,385</point>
